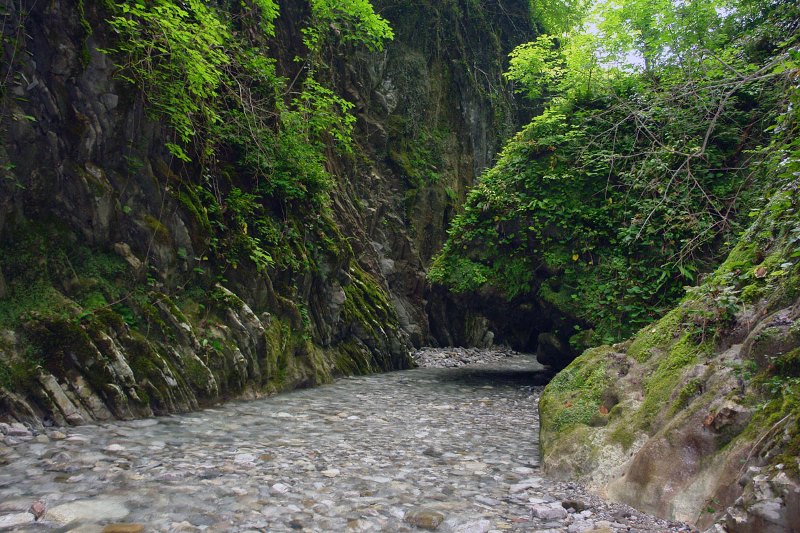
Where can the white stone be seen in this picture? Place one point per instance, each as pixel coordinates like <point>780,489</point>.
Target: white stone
<point>16,519</point>
<point>478,526</point>
<point>280,488</point>
<point>96,510</point>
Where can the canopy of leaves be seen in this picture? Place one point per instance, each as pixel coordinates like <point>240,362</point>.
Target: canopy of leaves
<point>632,180</point>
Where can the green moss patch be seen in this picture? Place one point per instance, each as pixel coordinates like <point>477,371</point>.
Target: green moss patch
<point>577,393</point>
<point>367,303</point>
<point>667,376</point>
<point>659,335</point>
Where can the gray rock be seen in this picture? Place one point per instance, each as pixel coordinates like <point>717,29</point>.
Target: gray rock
<point>18,430</point>
<point>476,526</point>
<point>424,518</point>
<point>15,519</point>
<point>549,512</point>
<point>110,100</point>
<point>551,351</point>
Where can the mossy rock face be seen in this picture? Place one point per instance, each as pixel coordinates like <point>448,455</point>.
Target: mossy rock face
<point>777,338</point>
<point>657,336</point>
<point>667,376</point>
<point>63,344</point>
<point>578,393</point>
<point>373,320</point>
<point>710,389</point>
<point>353,359</point>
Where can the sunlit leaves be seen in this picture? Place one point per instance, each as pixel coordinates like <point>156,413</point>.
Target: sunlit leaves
<point>558,17</point>
<point>354,21</point>
<point>176,56</point>
<point>536,66</point>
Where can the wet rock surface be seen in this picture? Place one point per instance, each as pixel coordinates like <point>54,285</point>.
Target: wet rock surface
<point>445,449</point>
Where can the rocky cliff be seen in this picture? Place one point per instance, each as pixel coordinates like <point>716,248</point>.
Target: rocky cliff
<point>697,417</point>
<point>143,275</point>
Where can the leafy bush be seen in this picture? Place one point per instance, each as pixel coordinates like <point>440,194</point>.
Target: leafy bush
<point>633,179</point>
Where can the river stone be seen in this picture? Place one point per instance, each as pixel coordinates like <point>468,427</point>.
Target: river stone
<point>37,509</point>
<point>477,526</point>
<point>16,519</point>
<point>123,528</point>
<point>382,470</point>
<point>549,512</point>
<point>96,510</point>
<point>424,518</point>
<point>17,430</point>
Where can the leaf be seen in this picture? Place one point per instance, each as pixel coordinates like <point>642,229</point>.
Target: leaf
<point>178,152</point>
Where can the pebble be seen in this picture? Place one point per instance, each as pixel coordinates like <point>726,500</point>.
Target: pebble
<point>450,447</point>
<point>548,512</point>
<point>456,357</point>
<point>37,509</point>
<point>16,430</point>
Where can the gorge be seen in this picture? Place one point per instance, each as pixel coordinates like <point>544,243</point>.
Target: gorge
<point>203,202</point>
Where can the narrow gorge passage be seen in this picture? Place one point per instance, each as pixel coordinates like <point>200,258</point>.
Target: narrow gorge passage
<point>388,452</point>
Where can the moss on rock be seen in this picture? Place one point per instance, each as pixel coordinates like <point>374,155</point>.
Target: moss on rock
<point>686,397</point>
<point>575,396</point>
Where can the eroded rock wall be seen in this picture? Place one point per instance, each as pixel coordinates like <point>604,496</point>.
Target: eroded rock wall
<point>434,112</point>
<point>697,417</point>
<point>109,303</point>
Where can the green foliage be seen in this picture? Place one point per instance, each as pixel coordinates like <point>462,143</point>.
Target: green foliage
<point>536,65</point>
<point>459,273</point>
<point>268,11</point>
<point>220,90</point>
<point>207,69</point>
<point>557,16</point>
<point>632,180</point>
<point>175,55</point>
<point>354,21</point>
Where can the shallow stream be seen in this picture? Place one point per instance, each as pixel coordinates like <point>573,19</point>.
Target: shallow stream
<point>454,449</point>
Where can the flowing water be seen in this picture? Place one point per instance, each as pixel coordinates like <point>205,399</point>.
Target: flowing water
<point>389,452</point>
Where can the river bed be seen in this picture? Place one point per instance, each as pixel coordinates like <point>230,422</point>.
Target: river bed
<point>454,449</point>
